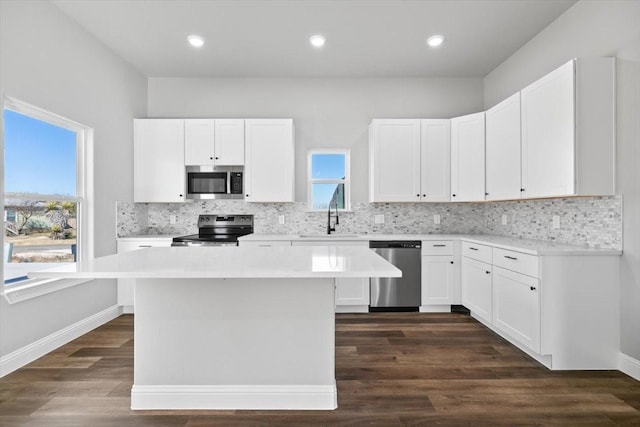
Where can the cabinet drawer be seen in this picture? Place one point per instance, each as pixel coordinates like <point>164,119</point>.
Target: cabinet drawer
<point>437,247</point>
<point>516,261</point>
<point>476,251</point>
<point>132,245</point>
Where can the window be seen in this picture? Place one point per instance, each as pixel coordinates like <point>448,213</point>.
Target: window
<point>328,179</point>
<point>45,207</point>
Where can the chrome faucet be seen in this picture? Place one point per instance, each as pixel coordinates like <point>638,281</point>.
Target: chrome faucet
<point>329,227</point>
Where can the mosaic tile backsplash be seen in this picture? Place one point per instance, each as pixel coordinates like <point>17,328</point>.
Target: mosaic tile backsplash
<point>592,221</point>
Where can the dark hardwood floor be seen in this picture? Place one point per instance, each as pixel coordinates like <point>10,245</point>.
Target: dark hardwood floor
<point>392,369</point>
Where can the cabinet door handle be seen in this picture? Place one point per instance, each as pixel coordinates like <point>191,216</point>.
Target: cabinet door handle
<point>511,257</point>
<point>246,195</point>
<point>533,288</point>
<point>417,195</point>
<point>453,195</point>
<point>439,246</point>
<point>217,158</point>
<point>144,246</point>
<point>473,249</point>
<point>488,272</point>
<point>424,195</point>
<point>211,158</point>
<point>451,262</point>
<point>522,190</point>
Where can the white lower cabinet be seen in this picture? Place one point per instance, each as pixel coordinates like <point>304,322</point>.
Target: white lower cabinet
<point>561,309</point>
<point>352,294</point>
<point>477,288</point>
<point>497,291</point>
<point>126,287</point>
<point>437,280</point>
<point>438,272</point>
<point>516,306</point>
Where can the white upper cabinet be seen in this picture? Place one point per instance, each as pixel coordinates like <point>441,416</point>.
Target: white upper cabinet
<point>503,150</point>
<point>568,131</point>
<point>548,135</point>
<point>435,175</point>
<point>409,160</point>
<point>159,174</point>
<point>467,158</point>
<point>394,160</point>
<point>199,138</point>
<point>269,160</point>
<point>218,142</point>
<point>229,142</point>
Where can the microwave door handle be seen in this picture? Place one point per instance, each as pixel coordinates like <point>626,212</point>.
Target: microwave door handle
<point>228,182</point>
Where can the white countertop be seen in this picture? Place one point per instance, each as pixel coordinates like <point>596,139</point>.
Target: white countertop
<point>230,262</point>
<point>537,247</point>
<point>530,246</point>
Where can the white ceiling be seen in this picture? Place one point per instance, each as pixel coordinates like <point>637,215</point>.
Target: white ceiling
<point>269,38</point>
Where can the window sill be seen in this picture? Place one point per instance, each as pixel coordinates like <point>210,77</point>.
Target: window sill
<point>33,288</point>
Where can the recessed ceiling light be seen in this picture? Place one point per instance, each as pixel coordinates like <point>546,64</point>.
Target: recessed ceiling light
<point>195,41</point>
<point>317,40</point>
<point>435,40</point>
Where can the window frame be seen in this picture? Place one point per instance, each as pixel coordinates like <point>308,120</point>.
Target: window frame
<point>30,288</point>
<point>346,181</point>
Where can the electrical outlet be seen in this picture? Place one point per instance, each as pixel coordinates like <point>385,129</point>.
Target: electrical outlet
<point>378,219</point>
<point>436,219</point>
<point>556,221</point>
<point>281,219</point>
<point>172,219</point>
<point>504,220</point>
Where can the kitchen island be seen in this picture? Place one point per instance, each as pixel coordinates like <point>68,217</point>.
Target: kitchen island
<point>234,327</point>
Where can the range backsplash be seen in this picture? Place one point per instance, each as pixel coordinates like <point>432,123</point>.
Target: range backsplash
<point>592,221</point>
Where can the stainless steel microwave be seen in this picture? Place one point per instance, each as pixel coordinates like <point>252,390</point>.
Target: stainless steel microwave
<point>214,183</point>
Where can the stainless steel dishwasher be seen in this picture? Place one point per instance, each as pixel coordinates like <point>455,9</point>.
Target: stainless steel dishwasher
<point>397,293</point>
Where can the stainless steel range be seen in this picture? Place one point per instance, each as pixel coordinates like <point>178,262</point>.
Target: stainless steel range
<point>217,230</point>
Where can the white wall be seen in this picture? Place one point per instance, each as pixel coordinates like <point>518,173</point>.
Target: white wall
<point>47,60</point>
<point>332,112</point>
<point>596,28</point>
<point>589,28</point>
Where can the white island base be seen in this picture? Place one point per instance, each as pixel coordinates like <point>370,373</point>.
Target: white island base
<point>233,327</point>
<point>234,344</point>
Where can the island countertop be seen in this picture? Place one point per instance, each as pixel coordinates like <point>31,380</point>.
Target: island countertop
<point>230,262</point>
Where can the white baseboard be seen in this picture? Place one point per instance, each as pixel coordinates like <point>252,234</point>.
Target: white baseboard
<point>37,349</point>
<point>188,397</point>
<point>352,308</point>
<point>629,366</point>
<point>435,308</point>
